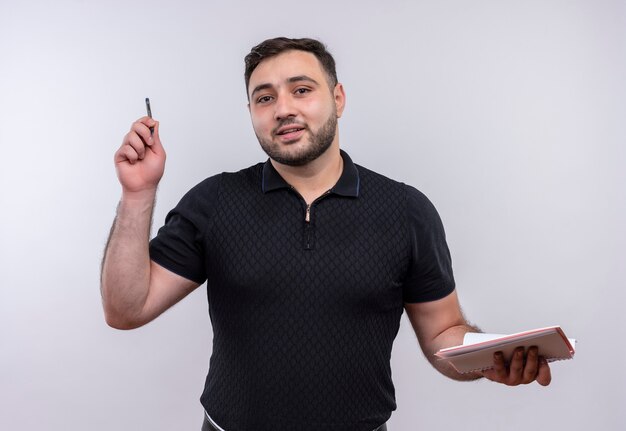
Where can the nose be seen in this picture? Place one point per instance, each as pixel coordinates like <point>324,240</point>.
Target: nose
<point>284,107</point>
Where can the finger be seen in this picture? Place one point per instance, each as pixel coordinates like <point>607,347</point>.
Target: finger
<point>156,146</point>
<point>531,366</point>
<point>499,367</point>
<point>126,154</point>
<point>150,123</point>
<point>516,367</point>
<point>544,376</point>
<point>142,131</point>
<point>137,144</point>
<point>147,121</point>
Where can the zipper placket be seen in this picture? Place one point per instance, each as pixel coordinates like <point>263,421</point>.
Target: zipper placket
<point>308,226</point>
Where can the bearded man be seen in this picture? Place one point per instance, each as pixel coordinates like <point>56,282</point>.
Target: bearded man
<point>309,261</point>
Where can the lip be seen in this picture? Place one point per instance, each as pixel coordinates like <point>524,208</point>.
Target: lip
<point>297,132</point>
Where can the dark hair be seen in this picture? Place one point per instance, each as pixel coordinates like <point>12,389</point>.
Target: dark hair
<point>278,45</point>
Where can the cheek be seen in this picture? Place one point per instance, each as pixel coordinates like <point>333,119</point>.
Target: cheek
<point>317,109</point>
<point>259,123</point>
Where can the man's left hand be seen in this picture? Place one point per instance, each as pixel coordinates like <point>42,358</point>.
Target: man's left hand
<point>521,370</point>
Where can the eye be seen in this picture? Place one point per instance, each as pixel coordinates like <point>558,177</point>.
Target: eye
<point>302,90</point>
<point>264,99</point>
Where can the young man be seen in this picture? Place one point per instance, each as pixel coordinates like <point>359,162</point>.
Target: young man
<point>309,259</point>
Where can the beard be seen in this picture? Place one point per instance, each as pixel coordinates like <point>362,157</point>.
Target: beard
<point>318,143</point>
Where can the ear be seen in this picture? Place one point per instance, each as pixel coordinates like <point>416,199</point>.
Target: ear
<point>340,99</point>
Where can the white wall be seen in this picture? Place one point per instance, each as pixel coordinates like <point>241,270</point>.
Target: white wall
<point>508,115</point>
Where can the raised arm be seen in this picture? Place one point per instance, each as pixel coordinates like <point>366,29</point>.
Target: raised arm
<point>440,324</point>
<point>134,289</point>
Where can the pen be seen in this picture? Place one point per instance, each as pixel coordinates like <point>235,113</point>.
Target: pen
<point>149,113</point>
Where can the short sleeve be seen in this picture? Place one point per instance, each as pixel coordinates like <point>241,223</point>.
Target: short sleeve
<point>179,245</point>
<point>430,271</point>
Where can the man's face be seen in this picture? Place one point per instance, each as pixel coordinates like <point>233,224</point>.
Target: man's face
<point>294,111</point>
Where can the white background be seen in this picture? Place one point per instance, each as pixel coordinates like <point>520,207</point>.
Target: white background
<point>510,116</point>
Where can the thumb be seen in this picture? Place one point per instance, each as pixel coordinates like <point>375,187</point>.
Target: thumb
<point>157,146</point>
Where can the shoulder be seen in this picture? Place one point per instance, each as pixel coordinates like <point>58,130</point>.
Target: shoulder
<point>210,187</point>
<point>417,206</point>
<point>244,179</point>
<point>381,187</point>
<point>203,193</point>
<point>414,198</point>
<point>202,198</point>
<point>418,201</point>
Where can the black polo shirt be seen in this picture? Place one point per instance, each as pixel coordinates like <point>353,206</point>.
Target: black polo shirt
<point>304,313</point>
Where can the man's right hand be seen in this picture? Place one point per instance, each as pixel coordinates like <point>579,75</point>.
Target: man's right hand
<point>135,289</point>
<point>140,161</point>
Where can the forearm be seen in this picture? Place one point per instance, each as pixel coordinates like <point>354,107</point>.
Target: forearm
<point>453,336</point>
<point>125,278</point>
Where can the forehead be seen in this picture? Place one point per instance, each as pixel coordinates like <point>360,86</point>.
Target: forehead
<point>277,69</point>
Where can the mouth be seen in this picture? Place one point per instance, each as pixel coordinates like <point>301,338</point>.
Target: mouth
<point>289,133</point>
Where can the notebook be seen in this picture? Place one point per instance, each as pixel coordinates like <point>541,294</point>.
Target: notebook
<point>476,352</point>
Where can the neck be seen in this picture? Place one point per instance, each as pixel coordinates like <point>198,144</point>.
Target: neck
<point>315,178</point>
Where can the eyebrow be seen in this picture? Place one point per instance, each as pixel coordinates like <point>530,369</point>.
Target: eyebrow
<point>291,80</point>
<point>302,78</point>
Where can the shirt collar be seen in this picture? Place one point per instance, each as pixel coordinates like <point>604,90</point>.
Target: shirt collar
<point>347,185</point>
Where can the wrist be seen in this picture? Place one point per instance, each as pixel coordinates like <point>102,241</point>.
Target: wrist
<point>136,204</point>
<point>139,198</point>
